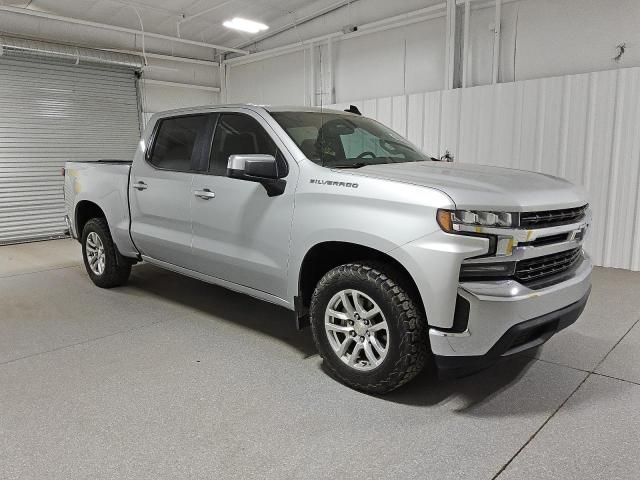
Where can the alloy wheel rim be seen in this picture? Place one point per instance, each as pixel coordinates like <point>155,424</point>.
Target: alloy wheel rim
<point>357,330</point>
<point>95,253</point>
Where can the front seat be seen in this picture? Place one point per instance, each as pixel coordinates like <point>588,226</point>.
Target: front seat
<point>310,149</point>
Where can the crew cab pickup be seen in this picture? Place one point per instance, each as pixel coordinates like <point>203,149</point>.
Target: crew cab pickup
<point>394,259</point>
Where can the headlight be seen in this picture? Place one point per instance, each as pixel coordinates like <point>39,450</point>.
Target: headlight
<point>472,222</point>
<point>448,219</point>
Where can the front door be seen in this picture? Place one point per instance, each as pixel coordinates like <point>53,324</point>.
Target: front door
<point>240,234</point>
<point>161,188</point>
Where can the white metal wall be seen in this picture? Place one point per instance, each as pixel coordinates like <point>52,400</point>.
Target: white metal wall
<point>585,128</point>
<point>405,54</point>
<point>51,112</point>
<point>282,80</point>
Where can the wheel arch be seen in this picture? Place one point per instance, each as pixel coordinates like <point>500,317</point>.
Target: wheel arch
<point>326,255</point>
<point>86,210</point>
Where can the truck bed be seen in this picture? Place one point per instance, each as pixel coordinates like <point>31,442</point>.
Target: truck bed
<point>106,161</point>
<point>105,184</point>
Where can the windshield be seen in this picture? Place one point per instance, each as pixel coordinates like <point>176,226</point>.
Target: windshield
<point>346,141</point>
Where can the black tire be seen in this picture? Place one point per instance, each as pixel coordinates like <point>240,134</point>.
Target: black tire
<point>117,268</point>
<point>408,349</point>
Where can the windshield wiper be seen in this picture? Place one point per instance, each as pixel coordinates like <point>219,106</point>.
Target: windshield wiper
<point>354,165</point>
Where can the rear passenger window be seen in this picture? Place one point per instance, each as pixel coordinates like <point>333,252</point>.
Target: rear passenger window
<point>175,144</point>
<point>238,134</point>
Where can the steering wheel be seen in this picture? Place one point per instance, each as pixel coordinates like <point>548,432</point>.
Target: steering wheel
<point>364,154</point>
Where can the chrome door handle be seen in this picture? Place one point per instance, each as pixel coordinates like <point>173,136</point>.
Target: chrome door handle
<point>204,194</point>
<point>140,186</point>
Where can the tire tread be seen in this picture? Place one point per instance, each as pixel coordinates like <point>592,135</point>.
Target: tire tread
<point>413,343</point>
<point>117,267</point>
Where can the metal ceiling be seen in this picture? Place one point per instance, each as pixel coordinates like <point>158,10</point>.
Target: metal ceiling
<point>199,20</point>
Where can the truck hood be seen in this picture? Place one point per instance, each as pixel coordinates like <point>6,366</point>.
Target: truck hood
<point>484,187</point>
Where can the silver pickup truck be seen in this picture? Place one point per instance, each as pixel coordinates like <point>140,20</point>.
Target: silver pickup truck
<point>395,260</point>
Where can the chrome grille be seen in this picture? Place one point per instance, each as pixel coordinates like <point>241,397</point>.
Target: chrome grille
<point>552,218</point>
<point>547,265</point>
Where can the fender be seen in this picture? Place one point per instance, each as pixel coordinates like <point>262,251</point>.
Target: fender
<point>107,188</point>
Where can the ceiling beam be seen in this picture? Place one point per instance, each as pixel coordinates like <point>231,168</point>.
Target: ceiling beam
<point>410,18</point>
<point>188,18</point>
<point>191,86</point>
<point>115,28</point>
<point>170,58</point>
<point>273,31</point>
<point>146,6</point>
<point>304,19</point>
<point>336,6</point>
<point>139,53</point>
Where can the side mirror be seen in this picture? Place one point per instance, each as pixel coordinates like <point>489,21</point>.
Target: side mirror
<point>262,169</point>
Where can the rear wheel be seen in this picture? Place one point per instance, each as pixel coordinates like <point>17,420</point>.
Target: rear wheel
<point>104,264</point>
<point>367,328</point>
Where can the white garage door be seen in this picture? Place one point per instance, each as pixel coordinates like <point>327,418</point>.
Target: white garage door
<point>52,111</point>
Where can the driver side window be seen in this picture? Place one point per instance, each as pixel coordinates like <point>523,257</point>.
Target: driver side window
<point>238,134</point>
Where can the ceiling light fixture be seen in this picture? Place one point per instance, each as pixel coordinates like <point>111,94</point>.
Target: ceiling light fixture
<point>245,25</point>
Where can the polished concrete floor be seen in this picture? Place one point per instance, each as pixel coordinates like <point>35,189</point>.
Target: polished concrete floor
<point>171,378</point>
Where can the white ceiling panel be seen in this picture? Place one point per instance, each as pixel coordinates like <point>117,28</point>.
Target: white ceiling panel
<point>194,19</point>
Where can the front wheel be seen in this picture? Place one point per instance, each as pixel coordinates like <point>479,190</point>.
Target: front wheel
<point>104,264</point>
<point>370,333</point>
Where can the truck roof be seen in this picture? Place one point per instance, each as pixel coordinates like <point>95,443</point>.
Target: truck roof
<point>250,106</point>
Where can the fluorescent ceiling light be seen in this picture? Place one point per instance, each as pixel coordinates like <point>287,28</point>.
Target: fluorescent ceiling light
<point>245,25</point>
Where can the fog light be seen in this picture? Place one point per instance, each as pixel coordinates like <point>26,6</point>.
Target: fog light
<point>480,270</point>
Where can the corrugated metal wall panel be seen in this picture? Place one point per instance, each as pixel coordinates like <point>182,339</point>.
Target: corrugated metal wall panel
<point>585,128</point>
<point>52,111</point>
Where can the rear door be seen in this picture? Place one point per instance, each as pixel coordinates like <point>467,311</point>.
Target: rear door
<point>240,234</point>
<point>161,187</point>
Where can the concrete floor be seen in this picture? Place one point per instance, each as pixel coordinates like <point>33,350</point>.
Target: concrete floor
<point>171,378</point>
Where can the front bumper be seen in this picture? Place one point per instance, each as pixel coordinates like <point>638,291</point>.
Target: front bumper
<point>506,317</point>
<point>518,338</point>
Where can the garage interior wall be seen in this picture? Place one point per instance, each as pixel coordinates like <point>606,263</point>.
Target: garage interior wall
<point>539,38</point>
<point>267,82</point>
<point>585,128</point>
<point>181,84</point>
<point>52,111</point>
<point>547,114</point>
<point>399,71</point>
<point>96,120</point>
